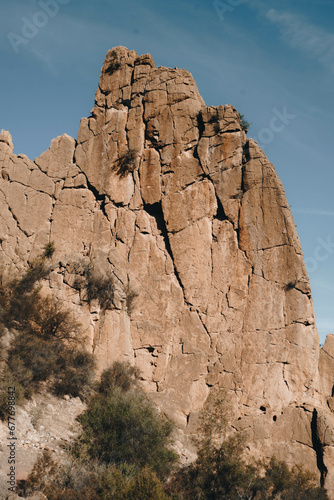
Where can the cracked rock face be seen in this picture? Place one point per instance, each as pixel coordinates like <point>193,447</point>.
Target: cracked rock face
<point>171,198</point>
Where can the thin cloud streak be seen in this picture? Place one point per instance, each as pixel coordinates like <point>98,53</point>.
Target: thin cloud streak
<point>315,41</point>
<point>310,211</point>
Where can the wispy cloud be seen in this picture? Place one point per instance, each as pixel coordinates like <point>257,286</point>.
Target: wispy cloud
<point>45,58</point>
<point>313,40</point>
<point>310,211</point>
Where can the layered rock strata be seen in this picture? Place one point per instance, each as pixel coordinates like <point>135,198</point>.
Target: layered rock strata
<point>172,199</point>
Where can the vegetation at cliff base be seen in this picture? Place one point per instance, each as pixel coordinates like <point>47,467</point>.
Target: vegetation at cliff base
<point>124,453</point>
<point>121,426</point>
<point>45,341</point>
<point>222,472</point>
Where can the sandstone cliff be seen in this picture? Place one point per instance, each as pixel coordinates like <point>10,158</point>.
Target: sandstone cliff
<point>170,198</point>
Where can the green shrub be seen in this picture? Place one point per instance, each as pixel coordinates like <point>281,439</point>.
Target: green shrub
<point>284,483</point>
<point>125,428</point>
<point>114,63</point>
<point>121,426</point>
<point>32,360</point>
<point>244,123</point>
<point>18,298</point>
<point>216,128</point>
<point>47,341</point>
<point>75,373</point>
<point>126,163</point>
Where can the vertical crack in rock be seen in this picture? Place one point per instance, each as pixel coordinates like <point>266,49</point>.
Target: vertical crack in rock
<point>155,211</point>
<point>100,198</point>
<point>220,215</point>
<point>318,448</point>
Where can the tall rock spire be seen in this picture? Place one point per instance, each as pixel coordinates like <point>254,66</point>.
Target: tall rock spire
<point>172,198</point>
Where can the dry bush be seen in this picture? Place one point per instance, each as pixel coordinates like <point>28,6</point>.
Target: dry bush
<point>126,163</point>
<point>101,288</point>
<point>82,479</point>
<point>47,340</point>
<point>114,63</point>
<point>121,375</point>
<point>130,296</point>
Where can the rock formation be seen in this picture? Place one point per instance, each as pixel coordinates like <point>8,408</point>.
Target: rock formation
<point>172,199</point>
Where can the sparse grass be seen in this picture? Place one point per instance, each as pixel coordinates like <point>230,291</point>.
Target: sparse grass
<point>114,64</point>
<point>49,250</point>
<point>126,163</point>
<point>130,296</point>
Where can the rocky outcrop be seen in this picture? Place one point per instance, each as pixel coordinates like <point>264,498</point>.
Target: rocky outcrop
<point>170,198</point>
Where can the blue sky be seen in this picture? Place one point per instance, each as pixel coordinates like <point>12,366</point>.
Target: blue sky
<point>267,58</point>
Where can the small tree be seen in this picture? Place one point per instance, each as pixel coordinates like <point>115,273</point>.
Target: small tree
<point>244,123</point>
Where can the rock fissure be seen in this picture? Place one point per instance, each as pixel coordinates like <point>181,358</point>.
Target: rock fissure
<point>318,448</point>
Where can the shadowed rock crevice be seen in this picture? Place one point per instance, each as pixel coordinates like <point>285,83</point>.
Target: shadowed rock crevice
<point>155,210</point>
<point>318,448</point>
